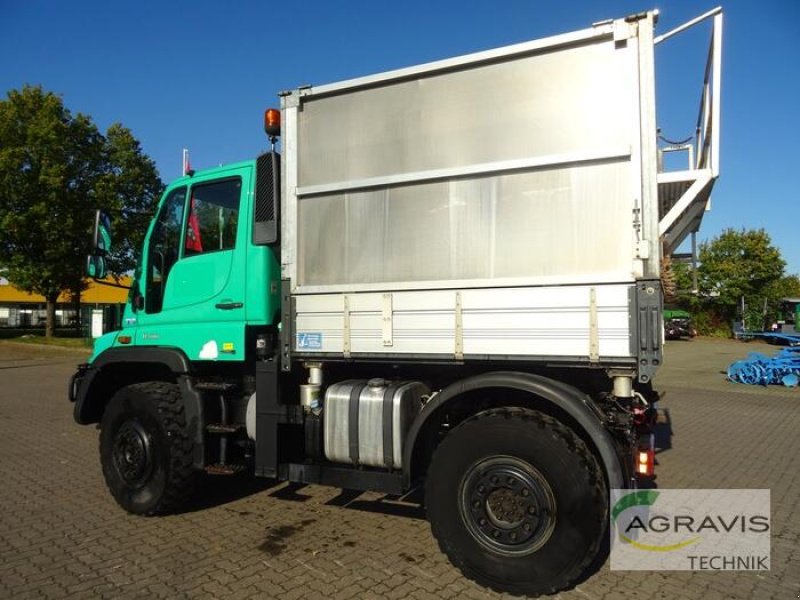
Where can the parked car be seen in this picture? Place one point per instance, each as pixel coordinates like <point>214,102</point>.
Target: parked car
<point>678,324</point>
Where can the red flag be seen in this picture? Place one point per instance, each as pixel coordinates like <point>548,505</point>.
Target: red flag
<point>193,240</point>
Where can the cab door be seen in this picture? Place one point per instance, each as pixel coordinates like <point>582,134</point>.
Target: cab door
<point>195,261</point>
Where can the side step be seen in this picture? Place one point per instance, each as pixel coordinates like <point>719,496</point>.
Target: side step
<point>222,428</point>
<point>214,386</point>
<point>224,469</point>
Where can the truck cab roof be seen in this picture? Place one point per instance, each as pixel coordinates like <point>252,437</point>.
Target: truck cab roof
<point>212,171</point>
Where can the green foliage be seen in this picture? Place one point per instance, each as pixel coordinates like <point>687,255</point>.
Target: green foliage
<point>129,191</point>
<point>56,169</point>
<point>709,324</point>
<point>685,296</point>
<point>736,264</point>
<point>739,264</point>
<point>785,287</point>
<point>47,158</point>
<point>683,276</point>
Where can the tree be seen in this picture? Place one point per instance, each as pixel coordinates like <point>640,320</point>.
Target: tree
<point>740,265</point>
<point>685,293</point>
<point>786,287</point>
<point>56,169</point>
<point>130,189</point>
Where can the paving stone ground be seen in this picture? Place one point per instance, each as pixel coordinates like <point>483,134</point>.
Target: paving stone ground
<point>62,536</point>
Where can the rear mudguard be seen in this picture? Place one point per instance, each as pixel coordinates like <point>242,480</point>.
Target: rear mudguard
<point>565,397</point>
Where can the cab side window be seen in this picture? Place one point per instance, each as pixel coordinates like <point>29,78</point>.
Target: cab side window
<point>164,247</point>
<point>213,217</point>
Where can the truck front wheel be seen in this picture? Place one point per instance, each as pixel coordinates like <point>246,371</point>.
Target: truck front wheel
<point>144,450</point>
<point>517,501</point>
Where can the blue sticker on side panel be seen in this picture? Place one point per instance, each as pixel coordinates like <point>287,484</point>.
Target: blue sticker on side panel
<point>309,341</point>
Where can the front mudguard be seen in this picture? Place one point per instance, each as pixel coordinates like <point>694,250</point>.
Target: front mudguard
<point>76,381</point>
<point>93,385</point>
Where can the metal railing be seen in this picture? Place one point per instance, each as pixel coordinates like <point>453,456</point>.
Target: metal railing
<point>706,139</point>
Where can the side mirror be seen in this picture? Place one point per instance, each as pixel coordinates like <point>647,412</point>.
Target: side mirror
<point>102,233</point>
<point>96,266</point>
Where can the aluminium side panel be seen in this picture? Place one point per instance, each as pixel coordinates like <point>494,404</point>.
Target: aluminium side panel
<point>516,166</point>
<point>564,322</point>
<point>495,199</point>
<point>550,225</point>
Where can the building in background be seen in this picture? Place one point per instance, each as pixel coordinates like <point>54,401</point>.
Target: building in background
<point>21,310</point>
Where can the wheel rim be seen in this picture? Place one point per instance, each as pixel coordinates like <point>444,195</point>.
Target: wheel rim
<point>132,454</point>
<point>507,505</point>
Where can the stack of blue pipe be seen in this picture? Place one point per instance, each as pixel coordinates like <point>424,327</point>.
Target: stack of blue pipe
<point>759,369</point>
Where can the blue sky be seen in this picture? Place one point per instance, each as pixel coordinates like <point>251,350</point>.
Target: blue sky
<point>199,74</point>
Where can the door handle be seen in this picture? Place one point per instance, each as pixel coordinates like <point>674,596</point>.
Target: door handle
<point>229,305</point>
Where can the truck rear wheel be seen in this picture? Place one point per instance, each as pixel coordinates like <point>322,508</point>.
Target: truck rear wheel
<point>517,501</point>
<point>144,450</point>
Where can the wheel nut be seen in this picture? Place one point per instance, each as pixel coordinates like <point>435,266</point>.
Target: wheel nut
<point>482,522</point>
<point>496,534</point>
<point>527,527</point>
<point>510,481</point>
<point>513,537</point>
<point>531,510</point>
<point>476,504</point>
<point>525,492</point>
<point>481,489</point>
<point>494,479</point>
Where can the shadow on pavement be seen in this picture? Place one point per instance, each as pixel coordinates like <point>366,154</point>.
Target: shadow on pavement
<point>410,505</point>
<point>219,490</point>
<point>663,430</point>
<point>389,505</point>
<point>216,491</point>
<point>291,491</point>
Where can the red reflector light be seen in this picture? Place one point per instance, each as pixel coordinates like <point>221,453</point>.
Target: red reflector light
<point>124,339</point>
<point>272,122</point>
<point>645,456</point>
<point>645,462</point>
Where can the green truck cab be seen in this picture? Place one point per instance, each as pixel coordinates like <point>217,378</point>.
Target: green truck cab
<point>204,295</point>
<point>202,273</point>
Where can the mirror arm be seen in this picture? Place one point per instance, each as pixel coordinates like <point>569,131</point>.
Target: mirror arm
<point>116,285</point>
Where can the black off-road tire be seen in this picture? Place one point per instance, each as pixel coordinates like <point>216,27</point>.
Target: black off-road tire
<point>517,501</point>
<point>145,452</point>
